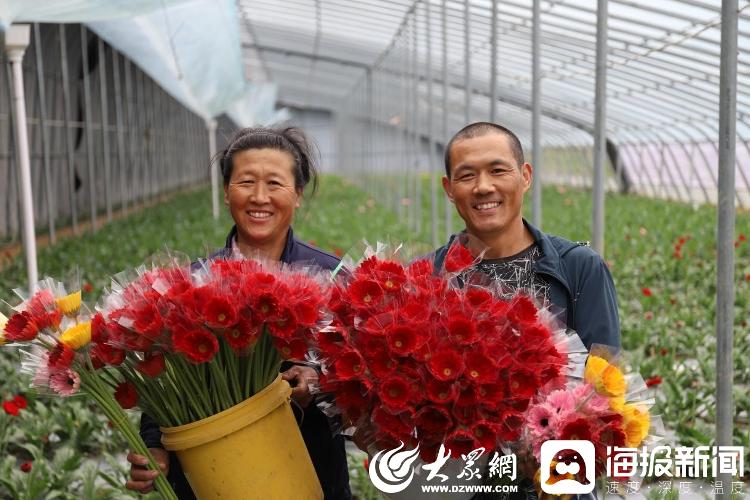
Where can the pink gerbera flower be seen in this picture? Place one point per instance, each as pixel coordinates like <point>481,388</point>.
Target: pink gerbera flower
<point>539,419</point>
<point>65,382</point>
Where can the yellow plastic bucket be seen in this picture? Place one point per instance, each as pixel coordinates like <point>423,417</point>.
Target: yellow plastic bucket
<point>252,450</point>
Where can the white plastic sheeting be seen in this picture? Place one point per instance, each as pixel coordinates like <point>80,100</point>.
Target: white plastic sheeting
<point>257,106</point>
<point>190,47</point>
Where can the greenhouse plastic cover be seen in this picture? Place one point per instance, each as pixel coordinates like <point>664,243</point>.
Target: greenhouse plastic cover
<point>191,48</point>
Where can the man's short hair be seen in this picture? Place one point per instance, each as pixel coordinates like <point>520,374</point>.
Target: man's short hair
<point>479,129</point>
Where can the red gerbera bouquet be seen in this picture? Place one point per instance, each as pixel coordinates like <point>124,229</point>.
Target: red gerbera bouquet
<point>422,361</point>
<point>190,344</point>
<point>53,328</point>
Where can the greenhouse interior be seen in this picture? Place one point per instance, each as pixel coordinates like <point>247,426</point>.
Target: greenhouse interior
<point>516,224</point>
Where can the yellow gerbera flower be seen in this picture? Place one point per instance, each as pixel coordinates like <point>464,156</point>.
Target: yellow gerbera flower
<point>77,336</point>
<point>70,304</point>
<point>3,322</point>
<point>617,403</point>
<point>637,422</point>
<point>607,378</point>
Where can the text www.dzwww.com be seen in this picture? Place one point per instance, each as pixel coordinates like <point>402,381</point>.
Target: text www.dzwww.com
<point>468,488</point>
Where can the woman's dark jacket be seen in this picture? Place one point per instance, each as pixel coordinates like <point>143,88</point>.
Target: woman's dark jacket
<point>326,450</point>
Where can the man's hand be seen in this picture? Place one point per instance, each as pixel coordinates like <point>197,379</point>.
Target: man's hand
<point>141,477</point>
<point>301,378</point>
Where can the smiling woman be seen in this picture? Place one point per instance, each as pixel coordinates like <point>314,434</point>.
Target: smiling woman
<point>265,173</point>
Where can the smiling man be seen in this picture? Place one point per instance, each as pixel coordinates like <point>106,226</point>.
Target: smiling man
<point>486,178</point>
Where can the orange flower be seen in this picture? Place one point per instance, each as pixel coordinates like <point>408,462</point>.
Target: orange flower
<point>607,378</point>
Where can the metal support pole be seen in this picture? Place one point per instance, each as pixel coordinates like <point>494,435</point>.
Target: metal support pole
<point>432,170</point>
<point>105,128</point>
<point>417,132</point>
<point>536,115</point>
<point>725,236</point>
<point>45,134</point>
<point>132,128</point>
<point>493,62</point>
<point>87,126</point>
<point>120,126</point>
<point>69,147</point>
<point>448,216</point>
<point>211,128</point>
<point>600,127</point>
<point>16,42</point>
<point>467,63</point>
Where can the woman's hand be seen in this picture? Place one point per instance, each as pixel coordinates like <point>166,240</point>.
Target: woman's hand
<point>141,477</point>
<point>301,378</point>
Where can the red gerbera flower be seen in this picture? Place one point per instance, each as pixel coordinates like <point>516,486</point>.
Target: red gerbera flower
<point>241,336</point>
<point>99,329</point>
<point>199,346</point>
<point>147,321</point>
<point>523,383</point>
<point>11,408</point>
<point>485,434</point>
<point>646,291</point>
<point>440,392</point>
<point>60,357</point>
<point>365,293</point>
<point>432,422</point>
<point>458,258</point>
<point>152,364</point>
<point>353,396</point>
<point>284,325</point>
<point>20,402</point>
<point>265,306</point>
<point>395,393</point>
<point>26,467</point>
<point>402,340</point>
<point>522,310</point>
<point>380,362</point>
<point>478,296</point>
<point>21,327</point>
<point>50,319</point>
<point>578,429</point>
<point>107,355</point>
<point>219,312</point>
<point>446,364</point>
<point>292,349</point>
<point>390,275</point>
<point>41,302</point>
<point>480,368</point>
<point>349,365</point>
<point>611,434</point>
<point>462,330</point>
<point>400,425</point>
<point>511,422</point>
<point>126,395</point>
<point>461,442</point>
<point>420,268</point>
